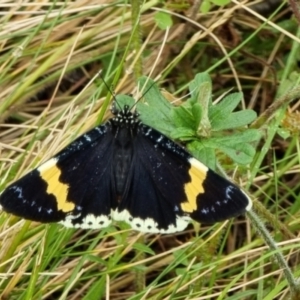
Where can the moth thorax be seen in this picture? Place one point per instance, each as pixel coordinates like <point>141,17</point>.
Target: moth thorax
<point>126,118</point>
<point>122,158</point>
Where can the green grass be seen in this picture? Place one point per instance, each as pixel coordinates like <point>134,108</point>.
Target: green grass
<point>50,93</point>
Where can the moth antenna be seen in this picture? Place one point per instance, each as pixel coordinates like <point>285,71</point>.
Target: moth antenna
<point>113,105</point>
<point>138,100</point>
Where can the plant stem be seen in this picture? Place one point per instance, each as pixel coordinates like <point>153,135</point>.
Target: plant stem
<point>140,276</point>
<point>136,36</point>
<point>260,227</point>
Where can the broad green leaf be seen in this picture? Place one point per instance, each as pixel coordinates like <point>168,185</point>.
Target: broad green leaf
<point>236,146</point>
<point>225,106</point>
<point>122,100</point>
<point>288,83</point>
<point>182,115</point>
<point>234,120</point>
<point>156,110</point>
<point>163,20</point>
<point>204,154</point>
<point>247,136</point>
<point>201,89</point>
<point>284,133</point>
<point>182,134</point>
<point>181,123</point>
<point>241,153</point>
<point>204,100</point>
<point>197,112</point>
<point>197,83</point>
<point>205,6</point>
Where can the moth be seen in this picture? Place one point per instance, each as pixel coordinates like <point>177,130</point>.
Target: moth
<point>127,171</point>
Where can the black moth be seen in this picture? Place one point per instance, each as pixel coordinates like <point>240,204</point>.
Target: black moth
<point>124,170</point>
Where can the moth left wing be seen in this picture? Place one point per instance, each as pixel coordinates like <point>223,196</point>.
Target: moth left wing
<point>72,188</point>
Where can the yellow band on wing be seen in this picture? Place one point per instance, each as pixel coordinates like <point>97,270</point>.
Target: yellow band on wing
<point>195,187</point>
<point>50,174</point>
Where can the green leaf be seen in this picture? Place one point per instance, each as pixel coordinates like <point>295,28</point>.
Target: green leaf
<point>203,153</point>
<point>222,117</point>
<point>182,134</point>
<point>241,153</point>
<point>288,83</point>
<point>283,133</point>
<point>204,99</point>
<point>226,106</point>
<point>197,113</point>
<point>180,256</point>
<point>201,91</point>
<point>180,123</point>
<point>205,6</point>
<point>236,146</point>
<point>200,80</point>
<point>247,136</point>
<point>155,111</point>
<point>163,20</point>
<point>182,115</point>
<point>123,100</point>
<point>235,120</point>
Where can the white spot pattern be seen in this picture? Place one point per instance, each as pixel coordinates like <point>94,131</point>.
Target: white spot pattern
<point>149,225</point>
<point>249,206</point>
<point>196,163</point>
<point>47,165</point>
<point>88,222</point>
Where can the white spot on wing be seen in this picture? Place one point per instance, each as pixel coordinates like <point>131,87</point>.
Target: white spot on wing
<point>249,206</point>
<point>159,139</point>
<point>18,190</point>
<point>199,165</point>
<point>67,222</point>
<point>47,165</point>
<point>229,191</point>
<point>149,130</point>
<point>88,222</point>
<point>98,130</point>
<point>149,225</point>
<point>204,211</point>
<point>87,137</point>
